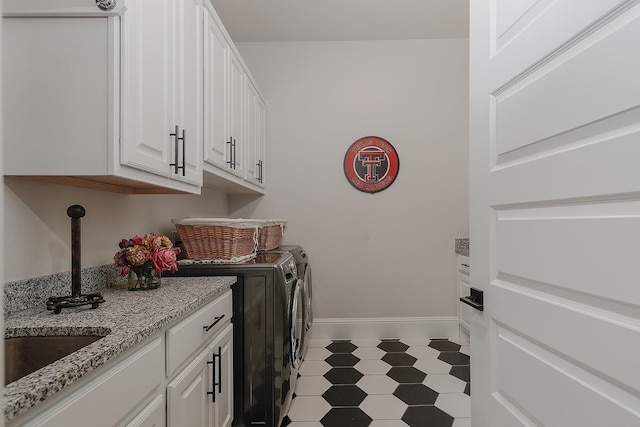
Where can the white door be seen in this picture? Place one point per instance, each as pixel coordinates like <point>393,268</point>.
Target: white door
<point>555,212</point>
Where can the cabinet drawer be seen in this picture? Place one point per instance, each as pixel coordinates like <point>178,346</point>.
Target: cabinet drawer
<point>189,335</point>
<point>463,264</point>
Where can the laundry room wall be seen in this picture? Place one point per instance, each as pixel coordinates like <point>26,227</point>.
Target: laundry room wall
<point>37,230</point>
<point>384,255</point>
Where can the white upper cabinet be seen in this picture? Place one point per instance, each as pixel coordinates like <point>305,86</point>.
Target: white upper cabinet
<point>95,95</point>
<point>229,112</point>
<point>137,99</point>
<point>217,151</point>
<point>236,112</point>
<point>189,85</point>
<point>255,136</point>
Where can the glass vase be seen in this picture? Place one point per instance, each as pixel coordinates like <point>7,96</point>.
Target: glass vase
<point>143,278</point>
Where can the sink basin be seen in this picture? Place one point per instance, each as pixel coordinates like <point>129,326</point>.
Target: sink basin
<point>24,355</point>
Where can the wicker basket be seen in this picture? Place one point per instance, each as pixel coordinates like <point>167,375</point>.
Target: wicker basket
<point>270,234</point>
<point>218,239</point>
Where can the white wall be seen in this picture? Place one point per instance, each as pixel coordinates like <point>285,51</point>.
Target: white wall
<point>390,254</point>
<point>37,230</point>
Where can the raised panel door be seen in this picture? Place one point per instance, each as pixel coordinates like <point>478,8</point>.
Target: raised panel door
<point>251,169</point>
<point>222,414</point>
<point>554,114</point>
<point>236,113</point>
<point>147,90</point>
<point>217,152</point>
<point>188,113</point>
<point>187,399</point>
<point>261,141</point>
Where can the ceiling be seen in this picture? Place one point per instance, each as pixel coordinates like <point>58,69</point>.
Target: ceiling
<point>341,20</point>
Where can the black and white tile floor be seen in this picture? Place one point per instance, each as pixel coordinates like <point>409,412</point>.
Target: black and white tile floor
<point>389,383</point>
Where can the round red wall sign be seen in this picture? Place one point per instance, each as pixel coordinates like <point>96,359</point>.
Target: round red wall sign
<point>371,164</point>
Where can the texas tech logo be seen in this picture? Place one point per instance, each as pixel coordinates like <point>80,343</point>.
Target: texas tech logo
<point>371,164</point>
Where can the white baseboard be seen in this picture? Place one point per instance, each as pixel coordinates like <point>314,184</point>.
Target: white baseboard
<point>409,328</point>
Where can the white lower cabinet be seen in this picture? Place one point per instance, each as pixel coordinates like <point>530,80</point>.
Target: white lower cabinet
<point>202,393</point>
<point>464,289</point>
<point>200,367</point>
<point>112,397</point>
<point>183,376</point>
<point>222,398</point>
<point>153,415</point>
<point>188,404</point>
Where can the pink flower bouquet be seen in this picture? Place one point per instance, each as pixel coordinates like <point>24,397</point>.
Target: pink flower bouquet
<point>149,252</point>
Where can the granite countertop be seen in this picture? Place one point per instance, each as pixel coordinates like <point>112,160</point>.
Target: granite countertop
<point>462,246</point>
<point>126,318</point>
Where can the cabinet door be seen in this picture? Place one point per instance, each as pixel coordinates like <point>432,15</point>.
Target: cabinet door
<point>222,347</point>
<point>59,106</point>
<point>236,110</point>
<point>187,399</point>
<point>216,99</point>
<point>147,95</point>
<point>251,166</point>
<point>464,289</point>
<point>188,88</point>
<point>261,140</point>
<point>153,415</point>
<point>254,136</point>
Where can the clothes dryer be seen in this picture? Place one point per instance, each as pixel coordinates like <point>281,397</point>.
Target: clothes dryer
<point>304,275</point>
<point>264,310</point>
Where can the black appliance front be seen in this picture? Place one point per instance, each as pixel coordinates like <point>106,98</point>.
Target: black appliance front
<point>304,275</point>
<point>262,366</point>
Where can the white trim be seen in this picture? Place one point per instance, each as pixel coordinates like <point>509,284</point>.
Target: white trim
<point>385,327</point>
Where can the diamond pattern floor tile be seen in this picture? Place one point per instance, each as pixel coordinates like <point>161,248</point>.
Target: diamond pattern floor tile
<point>317,353</point>
<point>372,367</point>
<point>377,384</point>
<point>383,407</point>
<point>423,352</point>
<point>444,383</point>
<point>314,367</point>
<point>383,383</point>
<point>388,423</point>
<point>312,385</point>
<point>456,404</point>
<point>432,366</point>
<point>369,353</point>
<point>308,408</point>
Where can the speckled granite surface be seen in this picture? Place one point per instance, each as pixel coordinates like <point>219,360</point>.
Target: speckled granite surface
<point>126,318</point>
<point>34,292</point>
<point>462,246</point>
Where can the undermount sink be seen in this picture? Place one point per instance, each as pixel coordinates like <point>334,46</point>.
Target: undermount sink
<point>24,355</point>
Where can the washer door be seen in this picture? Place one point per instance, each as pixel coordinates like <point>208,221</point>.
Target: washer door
<point>308,307</point>
<point>296,323</point>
